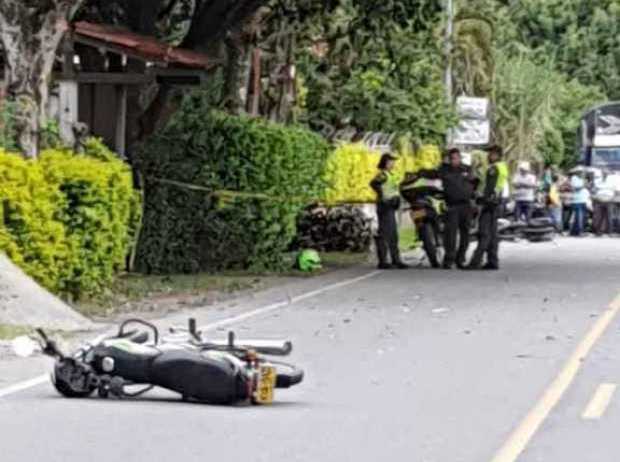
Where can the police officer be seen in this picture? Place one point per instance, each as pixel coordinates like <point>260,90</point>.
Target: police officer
<point>488,240</point>
<point>386,185</point>
<point>458,186</point>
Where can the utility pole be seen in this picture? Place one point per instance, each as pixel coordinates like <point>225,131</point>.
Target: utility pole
<point>448,52</point>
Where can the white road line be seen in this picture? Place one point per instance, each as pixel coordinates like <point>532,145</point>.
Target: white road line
<point>25,385</point>
<point>519,439</point>
<point>282,304</point>
<point>599,402</point>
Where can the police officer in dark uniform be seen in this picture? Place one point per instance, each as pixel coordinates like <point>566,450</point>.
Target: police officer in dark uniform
<point>387,186</point>
<point>458,186</point>
<point>490,202</point>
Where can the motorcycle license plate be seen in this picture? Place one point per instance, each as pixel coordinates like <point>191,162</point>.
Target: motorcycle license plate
<point>266,385</point>
<point>418,214</point>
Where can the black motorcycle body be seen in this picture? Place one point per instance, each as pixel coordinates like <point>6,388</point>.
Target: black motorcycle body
<point>209,373</point>
<point>427,213</point>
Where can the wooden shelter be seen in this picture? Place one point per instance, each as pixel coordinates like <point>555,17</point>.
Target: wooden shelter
<point>97,66</point>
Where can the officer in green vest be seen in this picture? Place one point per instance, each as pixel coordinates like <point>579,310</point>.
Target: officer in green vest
<point>387,186</point>
<point>488,240</point>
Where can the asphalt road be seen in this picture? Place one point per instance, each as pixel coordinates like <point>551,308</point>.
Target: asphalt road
<point>416,366</point>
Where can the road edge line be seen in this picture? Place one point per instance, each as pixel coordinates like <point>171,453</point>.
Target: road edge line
<point>31,383</point>
<point>25,385</point>
<point>527,428</point>
<point>285,303</point>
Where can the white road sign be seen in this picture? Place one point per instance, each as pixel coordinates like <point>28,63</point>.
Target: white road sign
<point>468,107</point>
<point>472,132</point>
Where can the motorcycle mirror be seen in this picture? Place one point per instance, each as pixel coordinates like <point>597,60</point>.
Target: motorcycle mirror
<point>24,347</point>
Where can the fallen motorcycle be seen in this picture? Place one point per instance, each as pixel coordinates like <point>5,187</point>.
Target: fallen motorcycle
<point>226,372</point>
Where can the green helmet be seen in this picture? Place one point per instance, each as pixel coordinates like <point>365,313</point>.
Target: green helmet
<point>309,260</point>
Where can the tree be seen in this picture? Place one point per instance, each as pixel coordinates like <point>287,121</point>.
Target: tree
<point>30,32</point>
<point>377,67</point>
<point>583,38</point>
<point>473,51</point>
<point>218,28</point>
<point>538,110</point>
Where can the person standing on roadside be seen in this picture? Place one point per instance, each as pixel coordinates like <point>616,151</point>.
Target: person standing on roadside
<point>387,187</point>
<point>554,203</point>
<point>488,240</point>
<point>579,201</point>
<point>524,192</point>
<point>604,193</point>
<point>458,186</point>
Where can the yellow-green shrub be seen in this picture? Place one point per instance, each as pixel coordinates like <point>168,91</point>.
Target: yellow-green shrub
<point>67,219</point>
<point>352,166</point>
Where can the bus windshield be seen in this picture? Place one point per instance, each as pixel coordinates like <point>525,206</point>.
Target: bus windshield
<point>606,157</point>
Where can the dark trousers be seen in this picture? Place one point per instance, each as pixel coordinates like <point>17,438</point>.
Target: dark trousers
<point>387,238</point>
<point>458,222</point>
<point>488,240</point>
<point>523,211</point>
<point>602,220</point>
<point>579,219</point>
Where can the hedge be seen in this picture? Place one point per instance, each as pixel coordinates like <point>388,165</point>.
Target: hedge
<point>352,166</point>
<point>68,220</point>
<point>224,192</point>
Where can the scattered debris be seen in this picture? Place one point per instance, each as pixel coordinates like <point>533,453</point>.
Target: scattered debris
<point>441,310</point>
<point>550,338</point>
<point>346,321</point>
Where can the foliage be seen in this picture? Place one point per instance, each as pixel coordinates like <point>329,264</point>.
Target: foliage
<point>473,49</point>
<point>8,135</point>
<point>67,219</point>
<point>351,168</point>
<point>538,110</point>
<point>252,178</point>
<point>582,38</point>
<point>49,134</point>
<point>377,68</point>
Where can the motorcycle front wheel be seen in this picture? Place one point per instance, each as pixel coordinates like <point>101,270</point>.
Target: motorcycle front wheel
<point>430,242</point>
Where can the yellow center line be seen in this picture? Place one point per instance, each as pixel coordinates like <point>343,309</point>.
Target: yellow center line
<point>600,401</point>
<point>521,436</point>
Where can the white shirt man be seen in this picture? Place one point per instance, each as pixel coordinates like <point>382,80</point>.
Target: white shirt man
<point>524,185</point>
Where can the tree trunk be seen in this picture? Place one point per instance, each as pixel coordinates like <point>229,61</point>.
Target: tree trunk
<point>30,31</point>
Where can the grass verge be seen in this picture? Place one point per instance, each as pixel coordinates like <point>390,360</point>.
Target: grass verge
<point>148,293</point>
<point>9,332</point>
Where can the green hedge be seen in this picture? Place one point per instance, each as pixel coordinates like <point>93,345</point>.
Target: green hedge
<point>68,219</point>
<point>223,192</point>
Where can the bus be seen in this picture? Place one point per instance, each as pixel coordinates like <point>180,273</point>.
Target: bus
<point>598,137</point>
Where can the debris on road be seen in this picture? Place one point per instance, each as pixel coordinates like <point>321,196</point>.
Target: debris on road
<point>440,310</point>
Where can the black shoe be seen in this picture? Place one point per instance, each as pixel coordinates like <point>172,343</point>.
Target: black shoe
<point>461,266</point>
<point>490,267</point>
<point>473,267</point>
<point>401,265</point>
<point>447,266</point>
<point>435,264</point>
<point>384,266</point>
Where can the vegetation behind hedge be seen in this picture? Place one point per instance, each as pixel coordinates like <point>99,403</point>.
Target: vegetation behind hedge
<point>68,219</point>
<point>351,168</point>
<point>252,178</point>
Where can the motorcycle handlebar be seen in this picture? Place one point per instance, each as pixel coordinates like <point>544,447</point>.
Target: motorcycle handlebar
<point>265,347</point>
